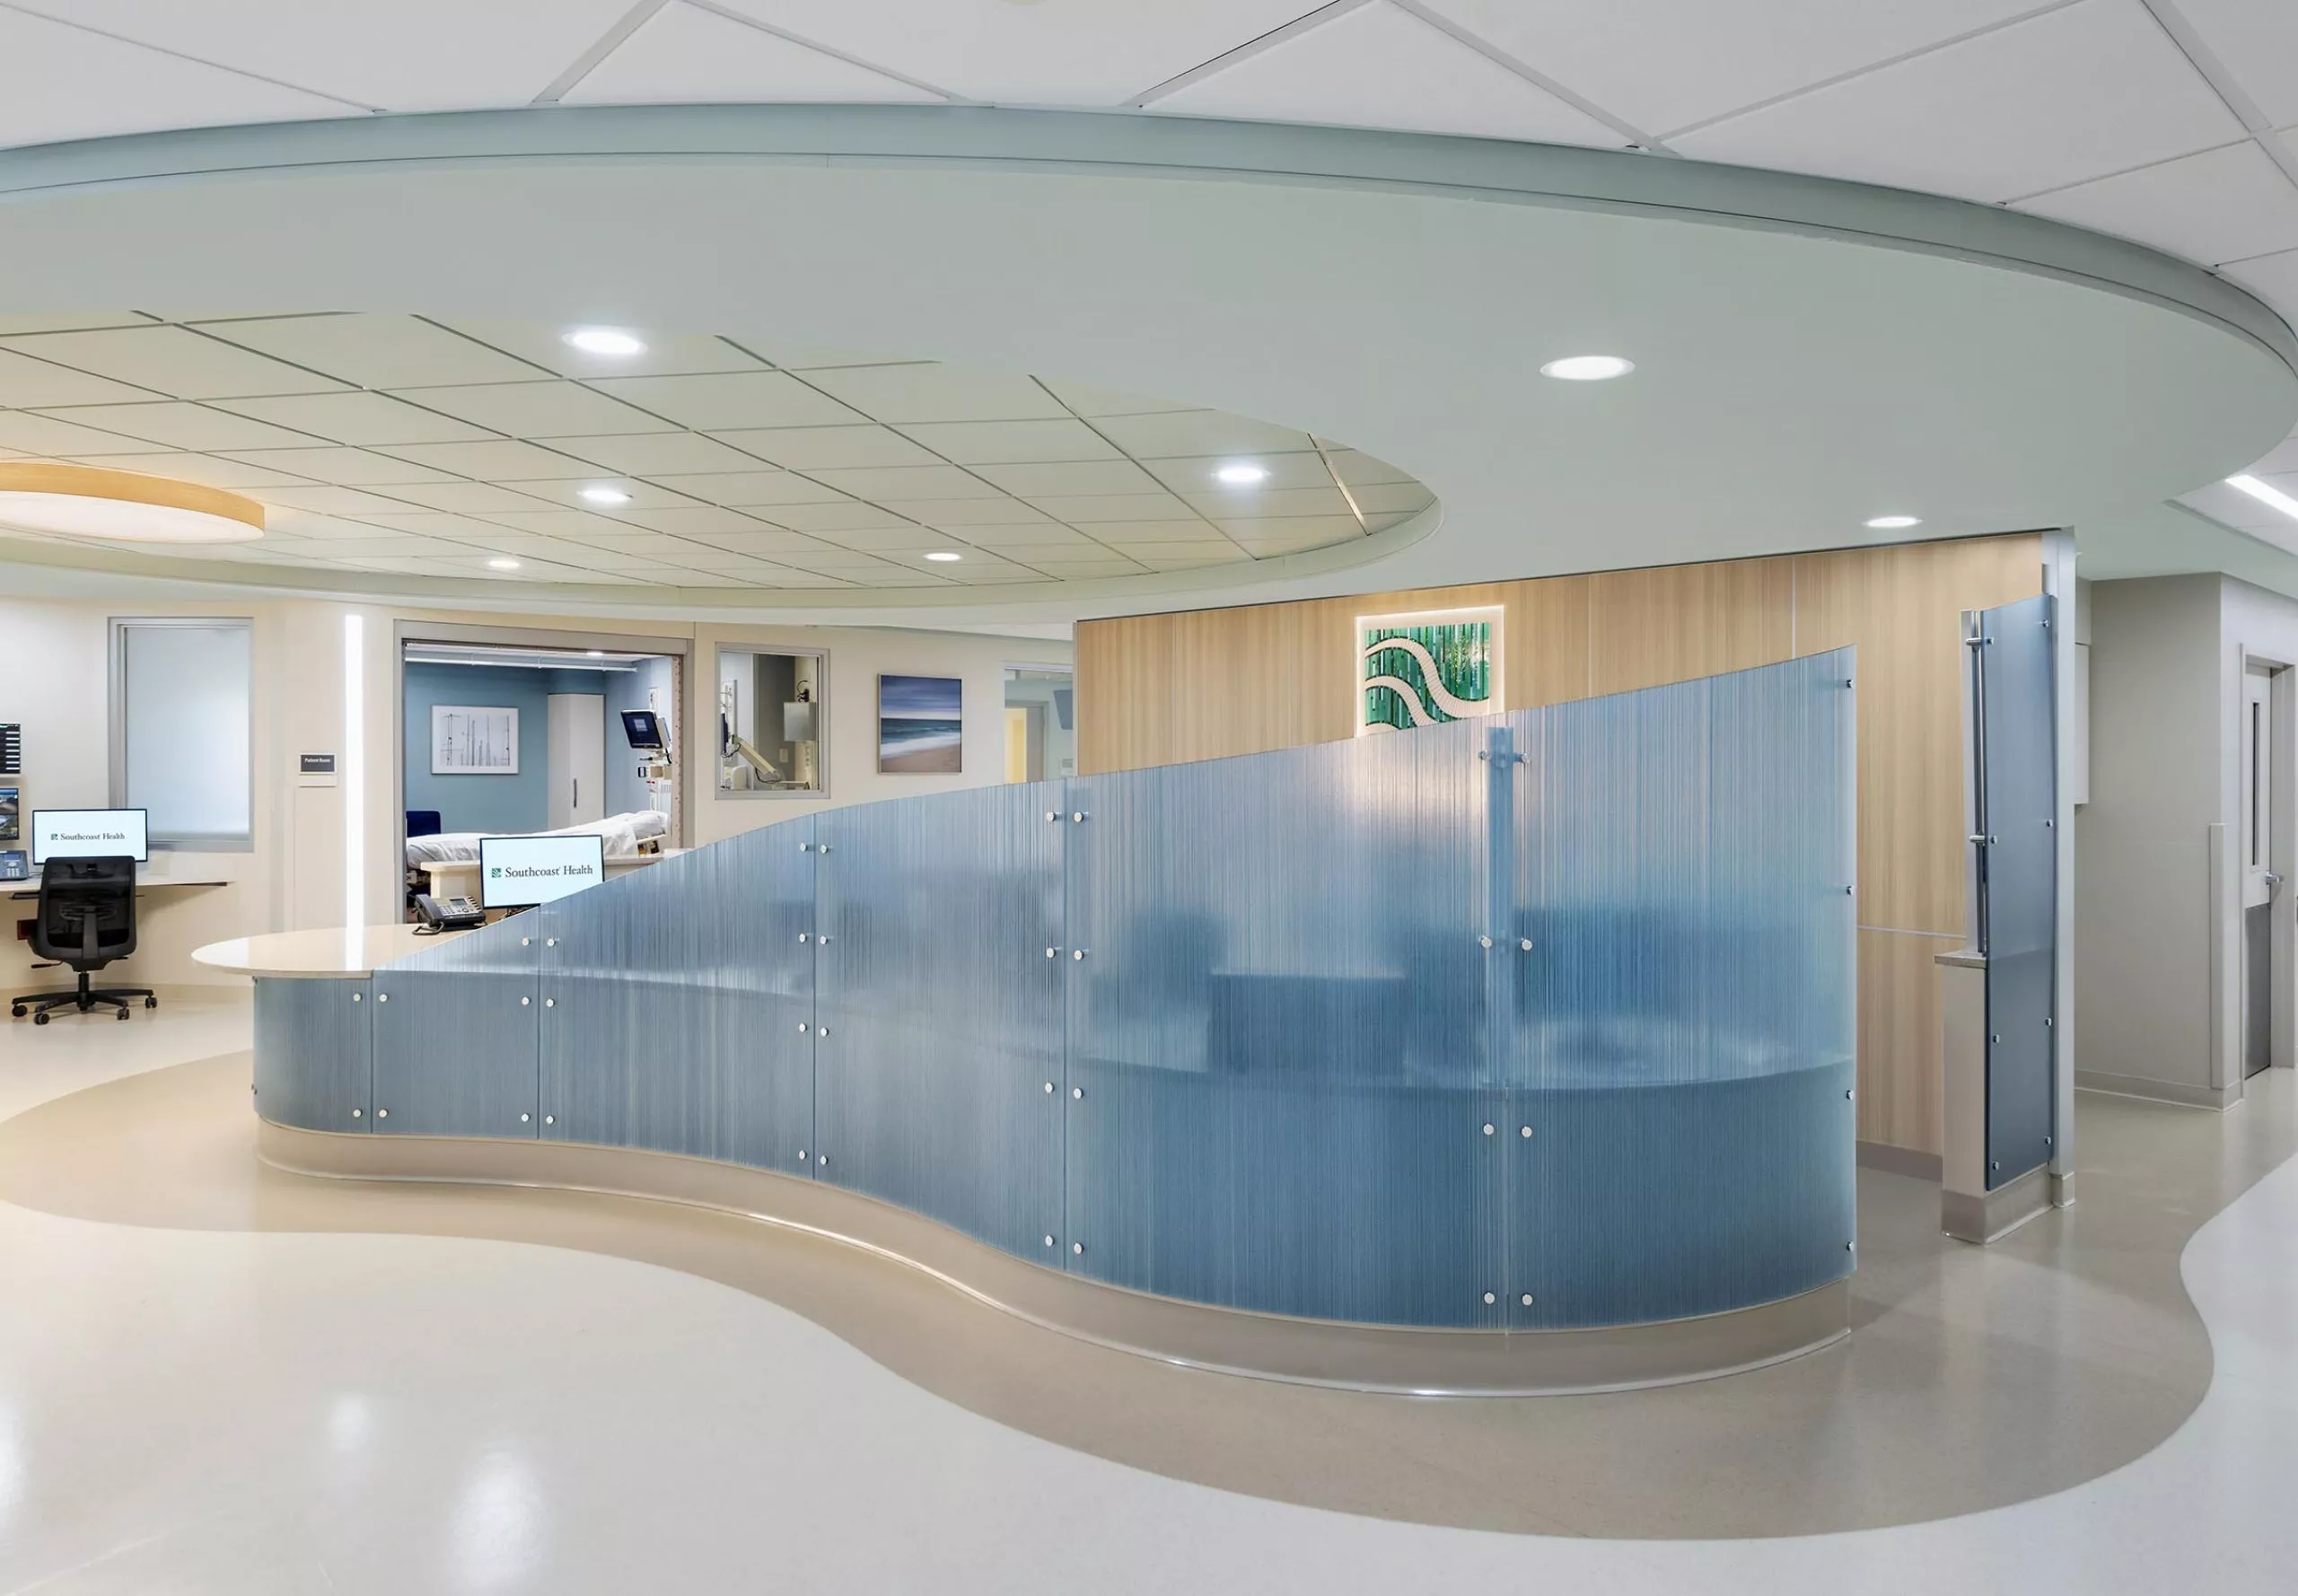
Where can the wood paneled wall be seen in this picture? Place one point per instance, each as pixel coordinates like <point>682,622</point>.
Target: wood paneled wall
<point>1155,689</point>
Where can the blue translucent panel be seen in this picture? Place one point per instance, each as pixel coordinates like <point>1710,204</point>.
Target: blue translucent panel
<point>666,1022</point>
<point>1280,1030</point>
<point>1685,1011</point>
<point>2018,801</point>
<point>456,1052</point>
<point>314,1053</point>
<point>512,943</point>
<point>939,1010</point>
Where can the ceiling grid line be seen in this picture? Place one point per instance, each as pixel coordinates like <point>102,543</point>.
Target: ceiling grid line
<point>600,49</point>
<point>1246,51</point>
<point>760,25</point>
<point>1635,136</point>
<point>2204,60</point>
<point>213,66</point>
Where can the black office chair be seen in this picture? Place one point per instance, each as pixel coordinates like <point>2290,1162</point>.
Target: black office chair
<point>87,919</point>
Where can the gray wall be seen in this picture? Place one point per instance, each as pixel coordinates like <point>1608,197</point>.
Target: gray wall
<point>491,803</point>
<point>628,690</point>
<point>2141,888</point>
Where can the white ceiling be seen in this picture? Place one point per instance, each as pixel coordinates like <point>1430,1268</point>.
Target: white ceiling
<point>2172,122</point>
<point>394,444</point>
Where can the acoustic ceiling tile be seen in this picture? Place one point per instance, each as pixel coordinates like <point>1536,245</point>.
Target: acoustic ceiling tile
<point>730,401</point>
<point>44,434</point>
<point>1000,443</point>
<point>1253,504</point>
<point>1200,433</point>
<point>1114,506</point>
<point>756,487</point>
<point>376,351</point>
<point>847,516</point>
<point>351,468</point>
<point>499,460</point>
<point>539,409</point>
<point>1071,477</point>
<point>464,498</point>
<point>880,484</point>
<point>996,511</point>
<point>1201,473</point>
<point>29,384</point>
<point>685,54</point>
<point>2226,203</point>
<point>696,519</point>
<point>666,354</point>
<point>172,360</point>
<point>1090,401</point>
<point>572,492</point>
<point>657,454</point>
<point>361,419</point>
<point>812,448</point>
<point>2256,40</point>
<point>183,426</point>
<point>898,394</point>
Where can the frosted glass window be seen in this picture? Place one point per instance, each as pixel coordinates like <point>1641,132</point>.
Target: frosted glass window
<point>181,713</point>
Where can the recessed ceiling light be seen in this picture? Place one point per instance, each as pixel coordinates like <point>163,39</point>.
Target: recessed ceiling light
<point>1588,368</point>
<point>605,496</point>
<point>1242,476</point>
<point>501,564</point>
<point>2265,493</point>
<point>597,654</point>
<point>944,556</point>
<point>1892,523</point>
<point>123,506</point>
<point>606,340</point>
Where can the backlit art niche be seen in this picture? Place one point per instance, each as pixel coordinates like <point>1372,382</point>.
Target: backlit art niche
<point>1426,668</point>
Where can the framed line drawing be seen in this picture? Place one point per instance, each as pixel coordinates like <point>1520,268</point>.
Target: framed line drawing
<point>473,739</point>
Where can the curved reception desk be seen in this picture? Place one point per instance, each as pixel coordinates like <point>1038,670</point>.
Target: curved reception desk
<point>1511,1053</point>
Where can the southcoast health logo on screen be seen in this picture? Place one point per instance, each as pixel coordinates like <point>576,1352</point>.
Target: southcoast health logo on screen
<point>523,873</point>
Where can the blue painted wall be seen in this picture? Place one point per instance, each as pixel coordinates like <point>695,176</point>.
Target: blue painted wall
<point>495,804</point>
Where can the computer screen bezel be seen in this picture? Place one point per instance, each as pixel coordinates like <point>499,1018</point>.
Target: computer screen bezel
<point>32,836</point>
<point>489,901</point>
<point>657,745</point>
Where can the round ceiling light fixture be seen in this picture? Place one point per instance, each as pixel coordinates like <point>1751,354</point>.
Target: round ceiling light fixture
<point>603,495</point>
<point>123,506</point>
<point>503,563</point>
<point>1588,368</point>
<point>606,340</point>
<point>944,556</point>
<point>1243,474</point>
<point>1892,523</point>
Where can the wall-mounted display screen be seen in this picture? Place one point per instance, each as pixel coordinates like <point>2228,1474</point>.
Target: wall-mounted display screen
<point>90,834</point>
<point>517,872</point>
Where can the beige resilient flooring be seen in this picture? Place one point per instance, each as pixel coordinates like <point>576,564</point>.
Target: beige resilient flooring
<point>1973,1377</point>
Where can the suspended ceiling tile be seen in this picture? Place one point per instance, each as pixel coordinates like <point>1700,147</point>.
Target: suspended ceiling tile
<point>889,539</point>
<point>437,523</point>
<point>762,543</point>
<point>210,471</point>
<point>1389,498</point>
<point>999,511</point>
<point>1192,557</point>
<point>1379,66</point>
<point>327,500</point>
<point>730,401</point>
<point>666,355</point>
<point>351,468</point>
<point>849,515</point>
<point>637,494</point>
<point>739,489</point>
<point>1114,506</point>
<point>538,409</point>
<point>1197,433</point>
<point>1029,54</point>
<point>1042,534</point>
<point>2222,204</point>
<point>1087,569</point>
<point>1359,469</point>
<point>2060,99</point>
<point>463,498</point>
<point>1201,473</point>
<point>880,483</point>
<point>172,361</point>
<point>72,321</point>
<point>2273,278</point>
<point>1071,477</point>
<point>1000,443</point>
<point>2257,42</point>
<point>67,83</point>
<point>1179,530</point>
<point>696,519</point>
<point>828,558</point>
<point>395,55</point>
<point>933,392</point>
<point>657,454</point>
<point>684,54</point>
<point>561,523</point>
<point>179,425</point>
<point>1288,533</point>
<point>1665,63</point>
<point>499,460</point>
<point>362,419</point>
<point>810,448</point>
<point>793,357</point>
<point>42,434</point>
<point>376,351</point>
<point>1090,401</point>
<point>29,384</point>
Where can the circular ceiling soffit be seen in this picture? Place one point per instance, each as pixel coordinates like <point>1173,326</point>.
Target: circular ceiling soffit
<point>122,506</point>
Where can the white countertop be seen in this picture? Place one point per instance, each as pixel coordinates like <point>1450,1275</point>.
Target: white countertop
<point>338,953</point>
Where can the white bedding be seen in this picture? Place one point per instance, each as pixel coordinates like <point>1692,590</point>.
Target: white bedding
<point>622,834</point>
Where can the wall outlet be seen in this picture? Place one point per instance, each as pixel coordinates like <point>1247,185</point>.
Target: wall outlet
<point>24,930</point>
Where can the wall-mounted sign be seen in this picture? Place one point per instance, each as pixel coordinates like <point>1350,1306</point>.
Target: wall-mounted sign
<point>317,764</point>
<point>1428,667</point>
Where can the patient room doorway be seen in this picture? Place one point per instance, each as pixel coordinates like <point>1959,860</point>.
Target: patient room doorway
<point>507,732</point>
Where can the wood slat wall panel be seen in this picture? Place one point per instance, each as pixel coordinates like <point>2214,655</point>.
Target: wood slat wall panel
<point>1164,688</point>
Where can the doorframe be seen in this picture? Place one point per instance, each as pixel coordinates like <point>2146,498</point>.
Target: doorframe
<point>405,631</point>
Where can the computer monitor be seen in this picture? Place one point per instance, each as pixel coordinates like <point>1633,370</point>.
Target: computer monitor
<point>90,834</point>
<point>519,871</point>
<point>643,728</point>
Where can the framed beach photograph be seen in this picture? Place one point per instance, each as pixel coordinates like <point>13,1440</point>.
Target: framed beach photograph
<point>474,740</point>
<point>921,725</point>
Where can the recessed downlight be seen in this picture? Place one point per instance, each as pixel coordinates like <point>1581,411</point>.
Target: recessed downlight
<point>600,493</point>
<point>1242,474</point>
<point>1588,368</point>
<point>944,556</point>
<point>502,563</point>
<point>606,340</point>
<point>1893,524</point>
<point>2264,492</point>
<point>594,653</point>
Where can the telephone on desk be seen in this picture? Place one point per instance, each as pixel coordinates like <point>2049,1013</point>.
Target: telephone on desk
<point>453,913</point>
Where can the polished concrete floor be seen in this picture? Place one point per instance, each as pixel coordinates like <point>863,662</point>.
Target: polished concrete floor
<point>201,1391</point>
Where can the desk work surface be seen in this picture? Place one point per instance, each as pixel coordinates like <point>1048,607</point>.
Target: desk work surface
<point>333,954</point>
<point>29,887</point>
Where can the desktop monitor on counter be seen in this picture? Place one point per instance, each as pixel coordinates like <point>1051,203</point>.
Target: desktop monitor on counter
<point>521,871</point>
<point>90,834</point>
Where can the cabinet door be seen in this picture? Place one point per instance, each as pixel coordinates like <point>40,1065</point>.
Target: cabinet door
<point>578,758</point>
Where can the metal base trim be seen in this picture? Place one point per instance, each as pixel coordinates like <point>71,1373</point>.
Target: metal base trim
<point>1968,1217</point>
<point>1398,1360</point>
<point>1901,1160</point>
<point>2217,1098</point>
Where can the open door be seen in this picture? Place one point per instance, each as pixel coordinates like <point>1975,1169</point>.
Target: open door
<point>2261,883</point>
